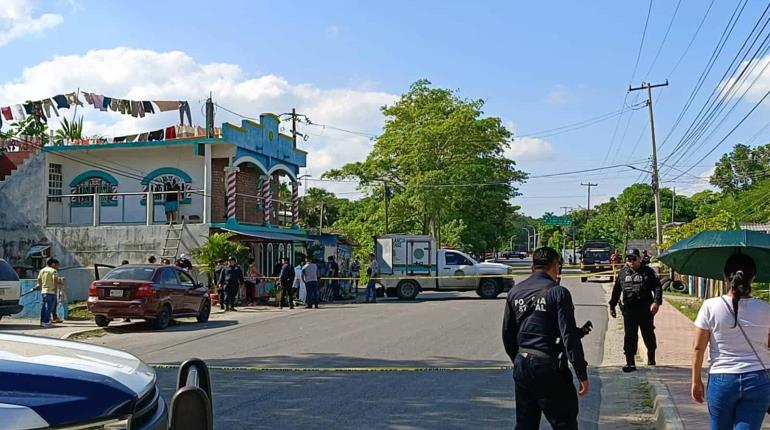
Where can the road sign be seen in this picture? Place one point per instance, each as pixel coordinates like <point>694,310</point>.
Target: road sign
<point>557,220</point>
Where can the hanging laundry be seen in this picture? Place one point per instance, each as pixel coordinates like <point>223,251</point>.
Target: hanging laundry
<point>171,132</point>
<point>106,103</point>
<point>147,107</point>
<point>73,99</point>
<point>130,138</point>
<point>184,107</point>
<point>98,102</point>
<point>47,105</point>
<point>7,113</point>
<point>137,109</point>
<point>37,111</point>
<point>61,101</point>
<point>155,135</point>
<point>114,105</point>
<point>118,139</point>
<point>165,106</point>
<point>29,108</point>
<point>125,107</point>
<point>89,98</point>
<point>18,112</point>
<point>143,137</point>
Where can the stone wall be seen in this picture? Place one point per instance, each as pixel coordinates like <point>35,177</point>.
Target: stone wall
<point>22,209</point>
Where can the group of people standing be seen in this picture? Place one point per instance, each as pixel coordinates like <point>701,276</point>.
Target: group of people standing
<point>541,336</point>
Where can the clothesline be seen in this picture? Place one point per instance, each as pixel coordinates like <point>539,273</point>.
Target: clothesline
<point>166,133</point>
<point>43,109</point>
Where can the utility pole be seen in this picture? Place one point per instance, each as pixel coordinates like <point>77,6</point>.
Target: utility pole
<point>673,205</point>
<point>589,185</point>
<point>655,178</point>
<point>209,117</point>
<point>564,246</point>
<point>294,126</point>
<point>321,221</point>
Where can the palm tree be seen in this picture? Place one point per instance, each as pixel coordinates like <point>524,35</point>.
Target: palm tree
<point>218,247</point>
<point>69,130</point>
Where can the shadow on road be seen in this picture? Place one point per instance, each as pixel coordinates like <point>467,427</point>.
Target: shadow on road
<point>175,326</point>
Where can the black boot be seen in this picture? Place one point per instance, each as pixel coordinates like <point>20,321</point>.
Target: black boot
<point>651,357</point>
<point>630,365</point>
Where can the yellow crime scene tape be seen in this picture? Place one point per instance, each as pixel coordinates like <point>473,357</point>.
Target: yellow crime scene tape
<point>346,369</point>
<point>508,275</point>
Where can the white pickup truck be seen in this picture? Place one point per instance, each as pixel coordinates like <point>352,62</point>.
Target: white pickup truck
<point>409,264</point>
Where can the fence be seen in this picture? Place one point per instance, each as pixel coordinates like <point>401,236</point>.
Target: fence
<point>140,208</point>
<point>249,209</point>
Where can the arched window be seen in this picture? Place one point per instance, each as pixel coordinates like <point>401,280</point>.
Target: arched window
<point>270,260</point>
<point>163,179</point>
<point>91,182</point>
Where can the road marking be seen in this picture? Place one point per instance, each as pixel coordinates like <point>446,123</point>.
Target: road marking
<point>346,369</point>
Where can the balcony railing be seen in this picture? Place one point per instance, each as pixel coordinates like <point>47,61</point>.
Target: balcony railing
<point>249,209</point>
<point>139,208</point>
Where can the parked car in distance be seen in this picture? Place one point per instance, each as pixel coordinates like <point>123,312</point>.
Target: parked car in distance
<point>152,292</point>
<point>10,289</point>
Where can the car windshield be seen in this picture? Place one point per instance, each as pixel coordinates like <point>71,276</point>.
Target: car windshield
<point>133,273</point>
<point>7,273</point>
<point>598,255</point>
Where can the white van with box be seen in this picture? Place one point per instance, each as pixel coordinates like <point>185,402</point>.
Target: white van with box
<point>10,289</point>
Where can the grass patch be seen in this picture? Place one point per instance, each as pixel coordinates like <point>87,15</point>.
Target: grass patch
<point>97,332</point>
<point>688,307</point>
<point>78,311</point>
<point>643,390</point>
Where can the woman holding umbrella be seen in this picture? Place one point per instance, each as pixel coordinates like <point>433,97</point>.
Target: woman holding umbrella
<point>736,327</point>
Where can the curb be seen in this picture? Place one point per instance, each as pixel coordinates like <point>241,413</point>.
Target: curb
<point>74,333</point>
<point>665,412</point>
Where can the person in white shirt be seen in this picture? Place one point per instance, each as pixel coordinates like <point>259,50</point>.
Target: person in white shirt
<point>737,329</point>
<point>310,278</point>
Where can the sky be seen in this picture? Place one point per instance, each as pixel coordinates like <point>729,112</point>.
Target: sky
<point>539,66</point>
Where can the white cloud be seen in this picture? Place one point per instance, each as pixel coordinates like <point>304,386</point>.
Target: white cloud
<point>17,20</point>
<point>146,75</point>
<point>529,149</point>
<point>698,185</point>
<point>557,96</point>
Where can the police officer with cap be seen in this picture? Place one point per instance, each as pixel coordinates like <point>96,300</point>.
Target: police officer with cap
<point>540,336</point>
<point>642,295</point>
<point>230,280</point>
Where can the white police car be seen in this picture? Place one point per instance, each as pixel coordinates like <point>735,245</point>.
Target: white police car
<point>71,385</point>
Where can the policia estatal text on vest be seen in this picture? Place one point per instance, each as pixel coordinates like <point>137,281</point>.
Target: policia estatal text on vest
<point>540,336</point>
<point>642,295</point>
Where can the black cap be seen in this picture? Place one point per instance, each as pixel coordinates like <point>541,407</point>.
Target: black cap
<point>633,252</point>
<point>233,258</point>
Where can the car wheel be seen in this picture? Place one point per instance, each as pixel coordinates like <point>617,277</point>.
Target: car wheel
<point>488,289</point>
<point>391,292</point>
<point>102,321</point>
<point>583,279</point>
<point>163,318</point>
<point>407,290</point>
<point>203,315</point>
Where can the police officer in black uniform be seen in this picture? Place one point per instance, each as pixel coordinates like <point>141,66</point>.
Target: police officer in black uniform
<point>231,279</point>
<point>540,336</point>
<point>642,295</point>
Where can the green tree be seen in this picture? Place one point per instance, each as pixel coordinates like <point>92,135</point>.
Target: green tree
<point>313,201</point>
<point>721,220</point>
<point>28,127</point>
<point>739,169</point>
<point>218,247</point>
<point>435,146</point>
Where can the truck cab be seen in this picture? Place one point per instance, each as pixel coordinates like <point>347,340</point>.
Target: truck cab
<point>412,263</point>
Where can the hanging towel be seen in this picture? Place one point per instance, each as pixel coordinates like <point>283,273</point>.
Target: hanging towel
<point>165,106</point>
<point>47,105</point>
<point>7,113</point>
<point>171,132</point>
<point>98,102</point>
<point>106,103</point>
<point>73,99</point>
<point>130,138</point>
<point>89,98</point>
<point>148,107</point>
<point>114,105</point>
<point>29,107</point>
<point>143,137</point>
<point>119,139</point>
<point>155,135</point>
<point>61,101</point>
<point>18,112</point>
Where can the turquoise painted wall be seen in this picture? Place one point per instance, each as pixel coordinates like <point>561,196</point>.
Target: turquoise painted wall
<point>264,143</point>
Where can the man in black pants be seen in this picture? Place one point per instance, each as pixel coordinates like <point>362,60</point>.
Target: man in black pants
<point>286,281</point>
<point>231,280</point>
<point>540,336</point>
<point>642,296</point>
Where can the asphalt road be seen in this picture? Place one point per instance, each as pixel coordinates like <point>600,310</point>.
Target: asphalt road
<point>436,330</point>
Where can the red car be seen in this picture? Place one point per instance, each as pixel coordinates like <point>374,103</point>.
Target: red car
<point>152,292</point>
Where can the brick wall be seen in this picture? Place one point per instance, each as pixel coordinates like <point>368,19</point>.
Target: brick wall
<point>218,195</point>
<point>247,209</point>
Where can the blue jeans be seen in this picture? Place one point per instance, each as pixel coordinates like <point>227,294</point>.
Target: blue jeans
<point>313,293</point>
<point>49,304</point>
<point>738,401</point>
<point>371,289</point>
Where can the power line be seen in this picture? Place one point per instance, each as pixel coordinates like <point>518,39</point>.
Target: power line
<point>692,39</point>
<point>665,37</point>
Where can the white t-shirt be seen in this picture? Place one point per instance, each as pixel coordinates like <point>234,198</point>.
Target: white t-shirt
<point>728,350</point>
<point>310,271</point>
